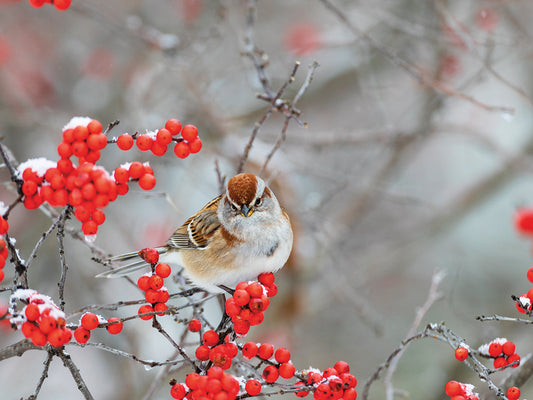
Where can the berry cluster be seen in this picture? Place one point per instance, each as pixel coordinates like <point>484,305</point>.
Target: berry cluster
<point>90,321</point>
<point>220,354</point>
<point>502,351</point>
<point>60,5</point>
<point>40,320</point>
<point>250,299</point>
<point>135,171</point>
<point>87,187</point>
<point>216,384</point>
<point>460,391</point>
<point>157,142</point>
<point>333,383</point>
<point>152,285</point>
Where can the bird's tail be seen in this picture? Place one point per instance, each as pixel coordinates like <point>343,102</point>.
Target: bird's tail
<point>137,264</point>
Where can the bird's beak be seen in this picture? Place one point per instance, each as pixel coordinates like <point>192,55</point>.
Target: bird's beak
<point>246,211</point>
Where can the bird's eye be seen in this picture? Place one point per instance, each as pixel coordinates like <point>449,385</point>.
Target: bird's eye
<point>234,207</point>
<point>258,202</point>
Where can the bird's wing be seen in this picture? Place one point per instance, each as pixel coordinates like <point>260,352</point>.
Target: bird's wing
<point>198,229</point>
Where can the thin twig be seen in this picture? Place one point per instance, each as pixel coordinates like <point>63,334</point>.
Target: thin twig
<point>417,73</point>
<point>44,375</point>
<point>130,356</point>
<point>434,294</point>
<point>157,325</point>
<point>75,372</point>
<point>64,267</point>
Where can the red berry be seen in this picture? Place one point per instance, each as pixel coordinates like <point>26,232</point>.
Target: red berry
<point>64,150</point>
<point>500,362</point>
<point>249,350</point>
<point>89,321</point>
<point>121,175</point>
<point>32,312</point>
<point>89,228</point>
<point>163,270</point>
<point>255,289</point>
<point>256,318</point>
<point>258,305</point>
<point>270,374</point>
<point>241,327</point>
<point>512,358</point>
<point>508,348</point>
<point>189,133</point>
<point>322,392</point>
<point>150,255</point>
<point>38,338</point>
<point>125,141</point>
<point>145,309</point>
<point>80,149</point>
<point>202,352</point>
<point>181,150</point>
<point>97,141</point>
<point>158,149</point>
<point>265,351</point>
<point>144,142</point>
<point>232,309</point>
<point>88,191</point>
<point>114,328</point>
<point>210,338</point>
<point>27,329</point>
<point>301,393</point>
<point>241,297</point>
<point>272,290</point>
<point>4,226</point>
<point>495,349</point>
<point>136,170</point>
<point>524,221</point>
<point>81,335</point>
<point>94,126</point>
<point>348,379</point>
<point>147,182</point>
<point>80,133</point>
<point>266,278</point>
<point>530,274</point>
<point>195,146</point>
<point>159,308</point>
<point>98,217</point>
<point>342,367</point>
<point>156,282</point>
<point>65,166</point>
<point>178,391</point>
<point>192,380</point>
<point>55,337</point>
<point>47,324</point>
<point>287,370</point>
<point>151,296</point>
<point>349,394</point>
<point>164,137</point>
<point>461,353</point>
<point>162,296</point>
<point>282,355</point>
<point>173,126</point>
<point>253,387</point>
<point>513,393</point>
<point>194,325</point>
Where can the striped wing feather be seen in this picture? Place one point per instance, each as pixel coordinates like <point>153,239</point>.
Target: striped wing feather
<point>198,229</point>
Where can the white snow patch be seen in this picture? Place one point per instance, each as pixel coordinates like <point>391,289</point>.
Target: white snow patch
<point>3,208</point>
<point>77,121</point>
<point>38,165</point>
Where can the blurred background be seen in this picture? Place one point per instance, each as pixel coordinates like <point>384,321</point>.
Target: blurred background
<point>415,157</point>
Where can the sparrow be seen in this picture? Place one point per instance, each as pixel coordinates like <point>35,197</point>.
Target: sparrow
<point>233,238</point>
